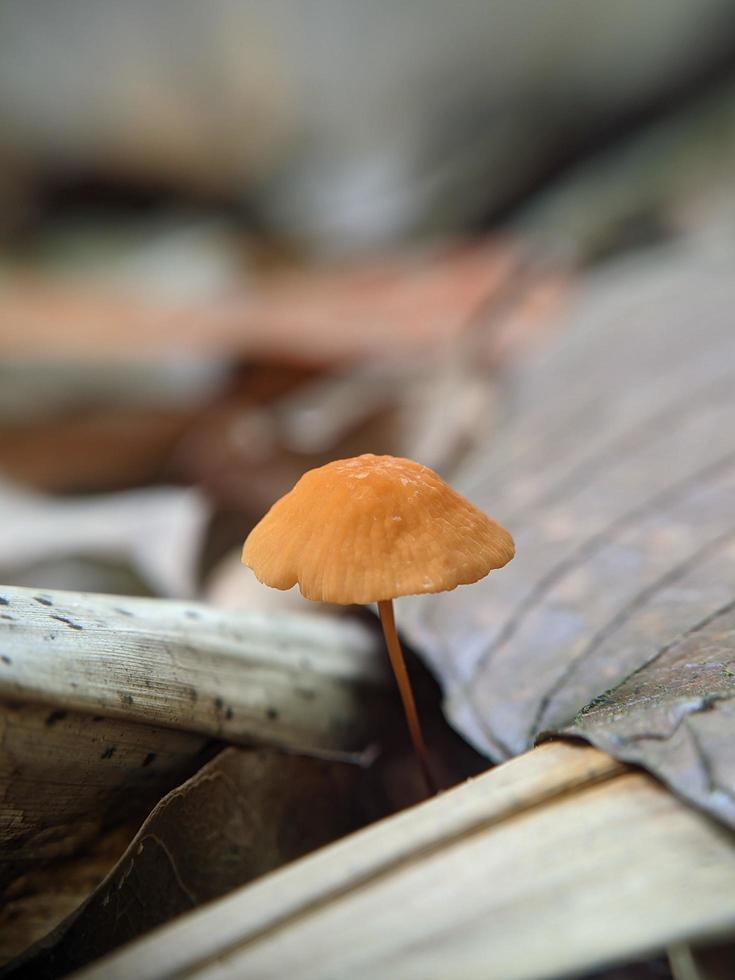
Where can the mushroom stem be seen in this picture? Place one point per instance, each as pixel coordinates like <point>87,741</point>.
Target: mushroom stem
<point>385,606</point>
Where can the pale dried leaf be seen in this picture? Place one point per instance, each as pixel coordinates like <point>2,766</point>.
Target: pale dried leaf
<point>522,873</point>
<point>305,682</point>
<point>158,531</point>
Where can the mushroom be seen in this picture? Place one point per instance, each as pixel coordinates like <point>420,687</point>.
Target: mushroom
<point>370,529</point>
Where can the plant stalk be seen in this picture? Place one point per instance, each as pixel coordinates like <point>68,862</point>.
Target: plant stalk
<point>387,619</point>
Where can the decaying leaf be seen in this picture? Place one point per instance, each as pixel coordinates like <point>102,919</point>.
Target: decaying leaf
<point>66,775</point>
<point>106,702</point>
<point>676,714</point>
<point>615,471</point>
<point>99,451</point>
<point>37,901</point>
<point>522,873</point>
<point>244,814</point>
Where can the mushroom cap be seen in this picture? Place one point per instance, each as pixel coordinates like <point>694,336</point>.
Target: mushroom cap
<point>374,527</point>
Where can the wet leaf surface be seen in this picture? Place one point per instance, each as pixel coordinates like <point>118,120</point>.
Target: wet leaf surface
<point>616,474</point>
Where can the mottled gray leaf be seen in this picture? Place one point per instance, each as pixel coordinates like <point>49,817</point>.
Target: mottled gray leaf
<point>615,472</point>
<point>676,714</point>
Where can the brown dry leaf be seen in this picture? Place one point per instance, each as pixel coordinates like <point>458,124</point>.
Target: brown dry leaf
<point>130,438</point>
<point>96,451</point>
<point>318,316</point>
<point>39,900</point>
<point>244,814</point>
<point>615,471</point>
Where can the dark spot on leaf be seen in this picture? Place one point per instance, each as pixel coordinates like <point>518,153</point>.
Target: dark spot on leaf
<point>4,601</point>
<point>126,698</point>
<point>229,713</point>
<point>123,612</point>
<point>67,622</point>
<point>108,753</point>
<point>272,714</point>
<point>219,703</point>
<point>151,757</point>
<point>7,616</point>
<point>73,684</point>
<point>192,614</point>
<point>55,716</point>
<point>42,600</point>
<point>5,659</point>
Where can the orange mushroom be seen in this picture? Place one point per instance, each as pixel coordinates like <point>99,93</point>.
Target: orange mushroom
<point>370,529</point>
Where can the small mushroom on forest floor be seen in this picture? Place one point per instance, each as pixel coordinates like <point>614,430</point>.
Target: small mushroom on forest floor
<point>370,529</point>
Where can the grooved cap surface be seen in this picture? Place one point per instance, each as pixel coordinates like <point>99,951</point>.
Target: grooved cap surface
<point>374,527</point>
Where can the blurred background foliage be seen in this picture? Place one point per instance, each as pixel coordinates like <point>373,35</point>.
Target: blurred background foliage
<point>240,238</point>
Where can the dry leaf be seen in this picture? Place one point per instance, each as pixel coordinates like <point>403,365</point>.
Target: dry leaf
<point>615,471</point>
<point>157,531</point>
<point>244,814</point>
<point>36,902</point>
<point>123,445</point>
<point>66,775</point>
<point>523,873</point>
<point>401,304</point>
<point>305,682</point>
